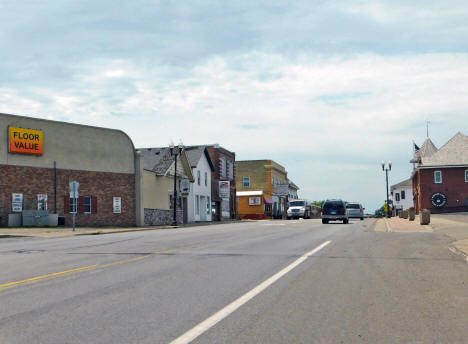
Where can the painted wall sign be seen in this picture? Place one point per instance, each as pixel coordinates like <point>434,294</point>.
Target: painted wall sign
<point>25,141</point>
<point>255,201</point>
<point>439,200</point>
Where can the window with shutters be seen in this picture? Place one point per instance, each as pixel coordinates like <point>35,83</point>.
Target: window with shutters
<point>88,204</point>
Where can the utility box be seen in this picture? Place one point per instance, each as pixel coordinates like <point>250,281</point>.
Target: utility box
<point>35,218</point>
<point>14,220</point>
<point>425,217</point>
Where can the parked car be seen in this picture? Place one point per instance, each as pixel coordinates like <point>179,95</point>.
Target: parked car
<point>299,208</point>
<point>334,210</point>
<point>355,210</point>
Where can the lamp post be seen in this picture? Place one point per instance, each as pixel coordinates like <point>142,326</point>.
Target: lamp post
<point>175,152</point>
<point>386,169</point>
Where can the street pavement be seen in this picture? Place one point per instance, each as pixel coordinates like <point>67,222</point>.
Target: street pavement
<point>155,286</point>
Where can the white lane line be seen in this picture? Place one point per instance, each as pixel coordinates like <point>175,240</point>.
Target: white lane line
<point>205,325</point>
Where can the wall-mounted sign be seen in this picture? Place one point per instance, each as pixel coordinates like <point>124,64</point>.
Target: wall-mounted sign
<point>42,202</point>
<point>439,200</point>
<point>17,202</point>
<point>185,187</point>
<point>117,202</point>
<point>25,141</point>
<point>255,201</point>
<point>282,189</point>
<point>224,189</point>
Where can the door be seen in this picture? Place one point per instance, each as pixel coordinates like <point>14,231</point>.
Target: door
<point>203,208</point>
<point>185,209</point>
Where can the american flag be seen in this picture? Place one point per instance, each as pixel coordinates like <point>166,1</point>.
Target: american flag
<point>416,148</point>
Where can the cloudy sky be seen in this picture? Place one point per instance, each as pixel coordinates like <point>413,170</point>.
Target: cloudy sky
<point>326,88</point>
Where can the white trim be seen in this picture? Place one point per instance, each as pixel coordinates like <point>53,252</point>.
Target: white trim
<point>435,179</point>
<point>249,193</point>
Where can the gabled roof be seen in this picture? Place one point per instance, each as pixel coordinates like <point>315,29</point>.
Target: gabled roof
<point>453,153</point>
<point>427,149</point>
<point>160,161</point>
<point>194,154</point>
<point>408,183</point>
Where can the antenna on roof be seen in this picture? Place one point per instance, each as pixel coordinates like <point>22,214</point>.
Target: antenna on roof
<point>427,128</point>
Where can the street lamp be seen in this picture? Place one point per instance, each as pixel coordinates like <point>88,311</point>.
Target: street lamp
<point>386,169</point>
<point>175,152</point>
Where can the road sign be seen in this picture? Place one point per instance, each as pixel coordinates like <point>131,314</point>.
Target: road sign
<point>74,189</point>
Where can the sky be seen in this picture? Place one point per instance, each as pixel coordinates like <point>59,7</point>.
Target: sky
<point>328,89</point>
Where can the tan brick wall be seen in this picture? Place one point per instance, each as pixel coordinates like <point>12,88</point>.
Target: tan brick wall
<point>255,169</point>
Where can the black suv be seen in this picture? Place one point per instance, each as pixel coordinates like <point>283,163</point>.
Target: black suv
<point>334,210</point>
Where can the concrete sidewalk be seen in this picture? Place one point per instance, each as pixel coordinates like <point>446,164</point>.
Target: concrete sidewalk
<point>396,224</point>
<point>52,232</point>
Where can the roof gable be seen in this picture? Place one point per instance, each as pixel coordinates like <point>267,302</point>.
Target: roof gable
<point>194,154</point>
<point>454,152</point>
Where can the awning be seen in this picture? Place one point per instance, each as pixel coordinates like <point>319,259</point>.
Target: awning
<point>268,200</point>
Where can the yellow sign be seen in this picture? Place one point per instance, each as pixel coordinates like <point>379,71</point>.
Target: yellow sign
<point>26,141</point>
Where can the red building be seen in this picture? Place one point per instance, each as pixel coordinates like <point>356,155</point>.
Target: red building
<point>440,177</point>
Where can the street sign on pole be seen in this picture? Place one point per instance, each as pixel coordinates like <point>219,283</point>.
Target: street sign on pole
<point>74,194</point>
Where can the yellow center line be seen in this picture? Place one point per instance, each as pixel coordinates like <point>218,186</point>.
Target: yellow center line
<point>75,270</point>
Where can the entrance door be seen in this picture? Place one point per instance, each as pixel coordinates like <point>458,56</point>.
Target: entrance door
<point>202,208</point>
<point>185,209</point>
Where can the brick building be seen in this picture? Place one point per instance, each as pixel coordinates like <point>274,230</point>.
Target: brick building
<point>440,176</point>
<point>223,183</point>
<point>262,189</point>
<point>40,159</point>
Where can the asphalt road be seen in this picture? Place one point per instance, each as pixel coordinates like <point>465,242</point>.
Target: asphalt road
<point>154,286</point>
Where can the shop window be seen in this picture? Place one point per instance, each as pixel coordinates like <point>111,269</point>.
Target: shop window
<point>438,177</point>
<point>466,176</point>
<point>80,205</point>
<point>88,204</point>
<point>403,195</point>
<point>246,182</point>
<point>178,202</point>
<point>397,197</point>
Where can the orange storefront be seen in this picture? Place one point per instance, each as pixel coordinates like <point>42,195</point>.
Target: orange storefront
<point>254,205</point>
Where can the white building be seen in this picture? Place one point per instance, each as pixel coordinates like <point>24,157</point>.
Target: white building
<point>402,195</point>
<point>199,199</point>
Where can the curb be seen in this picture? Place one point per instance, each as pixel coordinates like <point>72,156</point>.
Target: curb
<point>389,229</point>
<point>103,232</point>
<point>455,250</point>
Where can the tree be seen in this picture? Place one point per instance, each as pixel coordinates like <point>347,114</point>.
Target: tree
<point>318,203</point>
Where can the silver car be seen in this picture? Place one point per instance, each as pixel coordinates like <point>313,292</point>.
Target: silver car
<point>355,210</point>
